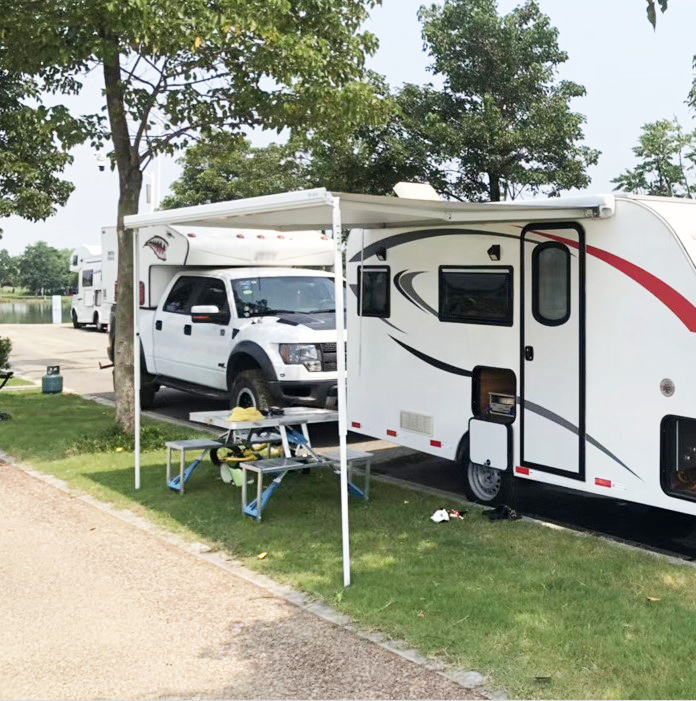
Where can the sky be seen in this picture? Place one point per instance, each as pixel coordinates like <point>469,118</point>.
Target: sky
<point>632,75</point>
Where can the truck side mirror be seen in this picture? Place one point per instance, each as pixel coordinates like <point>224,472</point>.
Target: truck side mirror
<point>208,314</point>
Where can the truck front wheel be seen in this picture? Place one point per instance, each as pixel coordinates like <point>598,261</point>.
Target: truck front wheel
<point>250,389</point>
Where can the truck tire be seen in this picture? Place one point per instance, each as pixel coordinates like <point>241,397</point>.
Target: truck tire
<point>249,389</point>
<point>76,324</point>
<point>147,394</point>
<point>483,485</point>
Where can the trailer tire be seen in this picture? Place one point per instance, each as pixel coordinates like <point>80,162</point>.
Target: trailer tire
<point>482,485</point>
<point>76,324</point>
<point>250,389</point>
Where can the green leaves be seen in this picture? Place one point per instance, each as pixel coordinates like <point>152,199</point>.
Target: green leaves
<point>651,11</point>
<point>667,156</point>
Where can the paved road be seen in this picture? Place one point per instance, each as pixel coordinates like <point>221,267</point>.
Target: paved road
<point>93,607</point>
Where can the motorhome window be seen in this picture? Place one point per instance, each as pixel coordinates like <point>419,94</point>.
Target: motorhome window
<point>87,278</point>
<point>476,295</point>
<point>74,260</point>
<point>179,299</point>
<point>273,296</point>
<point>213,293</point>
<point>373,284</point>
<point>551,284</point>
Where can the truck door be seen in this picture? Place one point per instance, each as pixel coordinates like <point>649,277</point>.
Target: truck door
<point>172,343</point>
<point>552,386</point>
<point>211,341</point>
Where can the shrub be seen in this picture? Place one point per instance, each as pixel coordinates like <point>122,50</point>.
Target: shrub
<point>5,348</point>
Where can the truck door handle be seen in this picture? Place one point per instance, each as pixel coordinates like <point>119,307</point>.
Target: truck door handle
<point>158,325</point>
<point>187,330</point>
<point>529,352</point>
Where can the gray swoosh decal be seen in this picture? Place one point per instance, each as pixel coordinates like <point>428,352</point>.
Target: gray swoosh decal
<point>403,282</point>
<point>388,323</point>
<point>409,236</point>
<point>530,406</point>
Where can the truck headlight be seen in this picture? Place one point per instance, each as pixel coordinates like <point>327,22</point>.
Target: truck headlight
<point>305,354</point>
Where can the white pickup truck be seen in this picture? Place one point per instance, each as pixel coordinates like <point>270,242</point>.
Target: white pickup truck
<point>259,335</point>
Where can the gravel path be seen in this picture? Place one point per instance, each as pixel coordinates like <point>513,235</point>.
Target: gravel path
<point>93,607</point>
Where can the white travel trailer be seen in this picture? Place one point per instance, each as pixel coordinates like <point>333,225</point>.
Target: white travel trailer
<point>551,341</point>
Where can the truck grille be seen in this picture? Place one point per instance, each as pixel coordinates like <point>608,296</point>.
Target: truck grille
<point>328,357</point>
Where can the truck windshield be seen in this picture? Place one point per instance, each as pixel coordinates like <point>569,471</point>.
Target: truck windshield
<point>267,296</point>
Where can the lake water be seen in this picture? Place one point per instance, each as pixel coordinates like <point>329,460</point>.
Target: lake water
<point>34,311</point>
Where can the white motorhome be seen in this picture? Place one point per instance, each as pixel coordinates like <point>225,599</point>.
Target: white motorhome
<point>85,310</point>
<point>227,313</point>
<point>551,341</point>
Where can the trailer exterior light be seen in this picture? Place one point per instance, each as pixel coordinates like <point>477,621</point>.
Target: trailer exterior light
<point>355,424</point>
<point>306,354</point>
<point>260,236</point>
<point>494,252</point>
<point>191,236</point>
<point>240,236</point>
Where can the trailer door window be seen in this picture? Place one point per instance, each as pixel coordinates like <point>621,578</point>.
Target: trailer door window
<point>551,284</point>
<point>373,287</point>
<point>87,278</point>
<point>179,299</point>
<point>476,295</point>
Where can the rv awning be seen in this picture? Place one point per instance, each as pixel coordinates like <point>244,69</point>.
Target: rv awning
<point>313,209</point>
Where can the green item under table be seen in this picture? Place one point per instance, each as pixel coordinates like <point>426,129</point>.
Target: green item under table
<point>205,446</point>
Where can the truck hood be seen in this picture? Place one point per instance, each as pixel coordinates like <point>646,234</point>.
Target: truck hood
<point>289,328</point>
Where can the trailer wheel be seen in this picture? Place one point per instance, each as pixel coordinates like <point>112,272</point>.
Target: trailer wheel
<point>482,484</point>
<point>76,324</point>
<point>249,389</point>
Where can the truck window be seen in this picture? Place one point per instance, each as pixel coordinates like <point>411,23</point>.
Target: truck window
<point>267,296</point>
<point>212,292</point>
<point>87,278</point>
<point>179,299</point>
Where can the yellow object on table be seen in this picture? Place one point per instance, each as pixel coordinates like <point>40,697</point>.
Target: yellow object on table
<point>241,414</point>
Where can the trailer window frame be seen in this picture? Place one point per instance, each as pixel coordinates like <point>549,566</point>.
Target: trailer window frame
<point>537,312</point>
<point>445,315</point>
<point>384,311</point>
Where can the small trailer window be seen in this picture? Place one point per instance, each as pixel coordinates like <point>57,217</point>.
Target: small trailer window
<point>87,278</point>
<point>678,457</point>
<point>373,286</point>
<point>476,295</point>
<point>551,284</point>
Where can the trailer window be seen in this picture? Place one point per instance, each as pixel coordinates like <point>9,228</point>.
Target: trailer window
<point>87,278</point>
<point>179,299</point>
<point>373,291</point>
<point>551,284</point>
<point>476,295</point>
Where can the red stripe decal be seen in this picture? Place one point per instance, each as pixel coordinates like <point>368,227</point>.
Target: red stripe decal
<point>522,470</point>
<point>678,304</point>
<point>602,482</point>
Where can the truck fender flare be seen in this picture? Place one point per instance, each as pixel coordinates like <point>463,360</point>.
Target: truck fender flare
<point>241,358</point>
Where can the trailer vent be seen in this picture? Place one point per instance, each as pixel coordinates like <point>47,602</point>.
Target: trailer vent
<point>418,423</point>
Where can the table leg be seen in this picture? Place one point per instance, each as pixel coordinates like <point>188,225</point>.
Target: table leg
<point>305,433</point>
<point>182,466</point>
<point>284,439</point>
<point>244,488</point>
<point>169,463</point>
<point>259,491</point>
<point>368,466</point>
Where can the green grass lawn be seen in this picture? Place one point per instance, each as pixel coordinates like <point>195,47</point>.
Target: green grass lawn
<point>18,382</point>
<point>545,613</point>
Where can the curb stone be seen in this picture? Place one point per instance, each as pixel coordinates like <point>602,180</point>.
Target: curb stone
<point>470,680</point>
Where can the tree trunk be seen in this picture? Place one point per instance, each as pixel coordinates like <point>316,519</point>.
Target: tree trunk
<point>494,187</point>
<point>130,180</point>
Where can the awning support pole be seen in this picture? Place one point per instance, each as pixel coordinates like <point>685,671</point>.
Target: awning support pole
<point>341,371</point>
<point>136,353</point>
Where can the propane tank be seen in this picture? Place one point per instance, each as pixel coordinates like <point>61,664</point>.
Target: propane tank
<point>52,381</point>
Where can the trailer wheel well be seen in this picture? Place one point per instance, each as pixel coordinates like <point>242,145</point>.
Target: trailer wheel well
<point>463,450</point>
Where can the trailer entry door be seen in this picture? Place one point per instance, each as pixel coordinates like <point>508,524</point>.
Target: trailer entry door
<point>552,386</point>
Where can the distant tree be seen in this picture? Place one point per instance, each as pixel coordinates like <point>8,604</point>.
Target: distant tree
<point>8,270</point>
<point>666,156</point>
<point>501,123</point>
<point>42,269</point>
